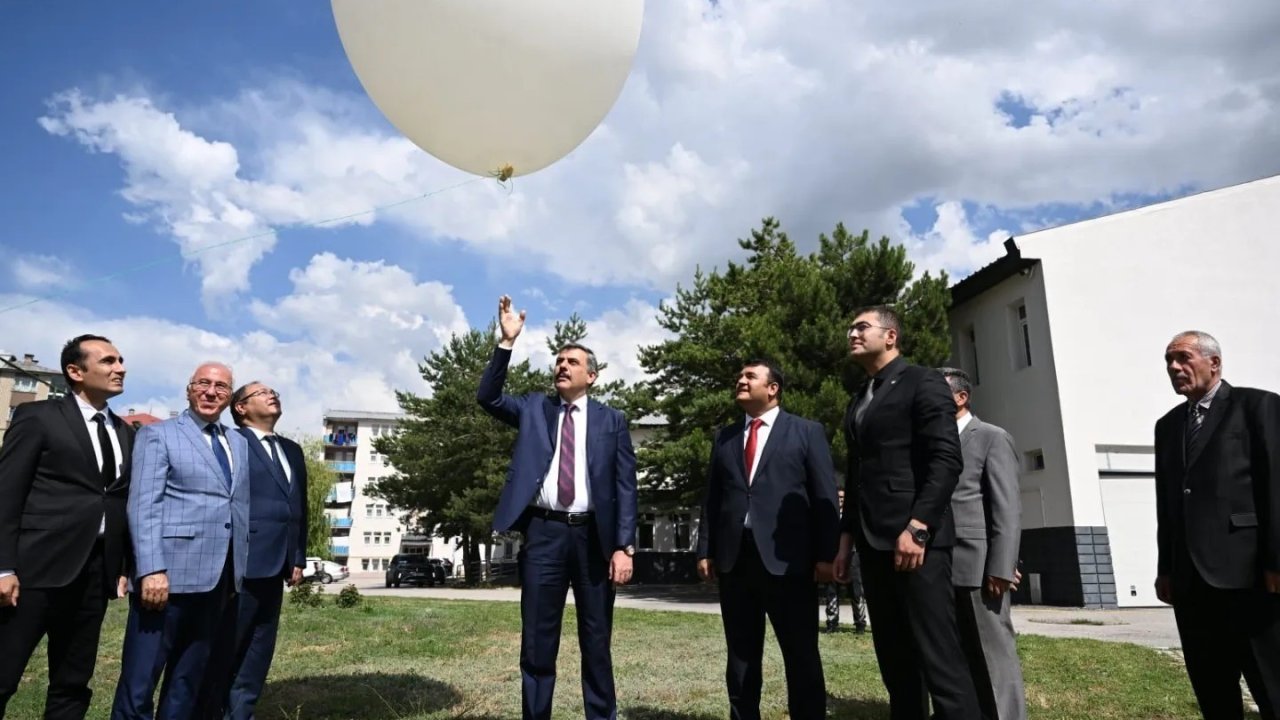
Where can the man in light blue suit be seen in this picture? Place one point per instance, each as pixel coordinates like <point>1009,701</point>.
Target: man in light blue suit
<point>189,517</point>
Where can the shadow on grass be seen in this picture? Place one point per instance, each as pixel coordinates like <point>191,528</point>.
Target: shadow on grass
<point>651,713</point>
<point>692,593</point>
<point>857,709</point>
<point>370,696</point>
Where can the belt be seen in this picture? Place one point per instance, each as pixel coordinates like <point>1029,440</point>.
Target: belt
<point>568,518</point>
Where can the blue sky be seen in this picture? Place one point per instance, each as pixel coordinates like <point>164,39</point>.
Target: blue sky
<point>135,134</point>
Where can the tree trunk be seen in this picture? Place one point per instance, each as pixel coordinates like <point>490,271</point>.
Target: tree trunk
<point>471,560</point>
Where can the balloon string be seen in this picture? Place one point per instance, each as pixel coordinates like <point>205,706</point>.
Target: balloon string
<point>226,243</point>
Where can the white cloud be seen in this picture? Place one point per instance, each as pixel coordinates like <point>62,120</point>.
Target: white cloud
<point>615,336</point>
<point>951,244</point>
<point>41,272</point>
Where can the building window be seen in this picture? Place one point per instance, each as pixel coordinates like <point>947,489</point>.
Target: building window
<point>1020,328</point>
<point>682,530</point>
<point>24,384</point>
<point>384,563</point>
<point>645,532</point>
<point>1033,460</point>
<point>364,563</point>
<point>368,538</point>
<point>377,510</point>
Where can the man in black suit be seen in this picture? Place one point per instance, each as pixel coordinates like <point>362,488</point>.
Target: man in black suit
<point>277,554</point>
<point>769,529</point>
<point>64,482</point>
<point>904,463</point>
<point>1218,509</point>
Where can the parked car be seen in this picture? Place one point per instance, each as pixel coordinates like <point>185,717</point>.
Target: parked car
<point>417,570</point>
<point>324,571</point>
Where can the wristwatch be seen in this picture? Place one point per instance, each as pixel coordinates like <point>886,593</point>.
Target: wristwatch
<point>919,534</point>
<point>629,550</point>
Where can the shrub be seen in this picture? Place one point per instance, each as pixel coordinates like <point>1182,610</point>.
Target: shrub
<point>349,597</point>
<point>307,595</point>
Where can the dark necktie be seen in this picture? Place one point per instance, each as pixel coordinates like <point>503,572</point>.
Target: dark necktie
<point>219,453</point>
<point>866,401</point>
<point>1194,422</point>
<point>275,455</point>
<point>749,453</point>
<point>564,485</point>
<point>108,468</point>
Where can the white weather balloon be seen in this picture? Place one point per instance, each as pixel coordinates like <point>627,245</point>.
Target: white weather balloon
<point>503,87</point>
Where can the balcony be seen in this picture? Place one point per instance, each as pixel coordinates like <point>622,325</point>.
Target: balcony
<point>341,439</point>
<point>343,466</point>
<point>341,494</point>
<point>340,550</point>
<point>339,522</point>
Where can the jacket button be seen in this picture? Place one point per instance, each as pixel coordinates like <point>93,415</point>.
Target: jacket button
<point>228,525</point>
<point>1186,491</point>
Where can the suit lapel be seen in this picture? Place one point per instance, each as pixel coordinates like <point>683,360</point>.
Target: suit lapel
<point>595,426</point>
<point>736,447</point>
<point>191,427</point>
<point>80,430</point>
<point>257,449</point>
<point>1218,407</point>
<point>781,425</point>
<point>239,458</point>
<point>551,406</point>
<point>893,374</point>
<point>124,434</point>
<point>970,432</point>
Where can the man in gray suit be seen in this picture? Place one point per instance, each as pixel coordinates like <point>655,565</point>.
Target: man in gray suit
<point>988,517</point>
<point>189,519</point>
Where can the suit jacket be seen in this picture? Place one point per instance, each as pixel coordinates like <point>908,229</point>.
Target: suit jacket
<point>277,509</point>
<point>181,514</point>
<point>792,499</point>
<point>611,461</point>
<point>52,500</point>
<point>986,506</point>
<point>1219,509</point>
<point>904,458</point>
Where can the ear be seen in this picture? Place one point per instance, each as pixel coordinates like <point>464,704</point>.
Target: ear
<point>591,378</point>
<point>75,372</point>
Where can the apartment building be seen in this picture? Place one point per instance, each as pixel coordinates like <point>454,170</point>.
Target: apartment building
<point>24,381</point>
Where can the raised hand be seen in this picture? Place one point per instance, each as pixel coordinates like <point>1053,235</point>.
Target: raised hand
<point>509,321</point>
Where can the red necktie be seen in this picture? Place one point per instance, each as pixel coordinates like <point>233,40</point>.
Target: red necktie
<point>751,446</point>
<point>564,486</point>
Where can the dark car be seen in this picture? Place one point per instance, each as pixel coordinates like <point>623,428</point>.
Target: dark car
<point>415,570</point>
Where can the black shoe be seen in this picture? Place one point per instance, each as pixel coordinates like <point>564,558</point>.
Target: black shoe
<point>860,629</point>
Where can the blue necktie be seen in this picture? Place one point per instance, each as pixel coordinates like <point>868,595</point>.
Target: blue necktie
<point>219,453</point>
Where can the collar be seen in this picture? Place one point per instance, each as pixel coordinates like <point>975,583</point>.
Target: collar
<point>889,370</point>
<point>260,434</point>
<point>769,417</point>
<point>963,422</point>
<point>88,411</point>
<point>1208,397</point>
<point>580,404</point>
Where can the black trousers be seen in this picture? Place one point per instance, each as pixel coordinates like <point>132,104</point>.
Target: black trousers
<point>913,627</point>
<point>1226,634</point>
<point>749,594</point>
<point>72,618</point>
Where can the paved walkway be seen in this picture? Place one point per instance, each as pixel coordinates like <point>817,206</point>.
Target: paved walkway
<point>1153,627</point>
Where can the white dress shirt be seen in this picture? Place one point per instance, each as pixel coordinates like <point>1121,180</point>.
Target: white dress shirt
<point>762,436</point>
<point>963,422</point>
<point>548,496</point>
<point>262,436</point>
<point>88,411</point>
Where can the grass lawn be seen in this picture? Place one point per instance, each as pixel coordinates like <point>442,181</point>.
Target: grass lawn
<point>412,659</point>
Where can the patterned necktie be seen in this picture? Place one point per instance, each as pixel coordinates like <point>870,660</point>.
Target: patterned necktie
<point>749,453</point>
<point>219,453</point>
<point>564,485</point>
<point>275,455</point>
<point>108,468</point>
<point>1194,422</point>
<point>866,401</point>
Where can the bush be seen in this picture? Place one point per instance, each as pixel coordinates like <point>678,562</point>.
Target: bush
<point>307,595</point>
<point>349,597</point>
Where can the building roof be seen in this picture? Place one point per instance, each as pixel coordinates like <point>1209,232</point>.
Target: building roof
<point>332,415</point>
<point>140,419</point>
<point>991,275</point>
<point>10,363</point>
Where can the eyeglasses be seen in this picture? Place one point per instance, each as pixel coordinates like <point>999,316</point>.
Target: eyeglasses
<point>263,391</point>
<point>220,389</point>
<point>862,328</point>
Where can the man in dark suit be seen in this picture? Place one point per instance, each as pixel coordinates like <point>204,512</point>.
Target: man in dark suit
<point>769,529</point>
<point>277,555</point>
<point>987,510</point>
<point>1218,509</point>
<point>64,481</point>
<point>189,521</point>
<point>571,489</point>
<point>904,463</point>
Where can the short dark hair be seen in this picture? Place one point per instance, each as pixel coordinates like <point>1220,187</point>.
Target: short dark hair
<point>957,379</point>
<point>237,397</point>
<point>775,374</point>
<point>887,316</point>
<point>73,354</point>
<point>592,365</point>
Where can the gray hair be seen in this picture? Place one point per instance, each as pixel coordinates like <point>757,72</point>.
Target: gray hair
<point>957,379</point>
<point>1205,343</point>
<point>592,365</point>
<point>210,363</point>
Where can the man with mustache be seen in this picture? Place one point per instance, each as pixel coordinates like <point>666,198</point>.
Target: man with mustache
<point>277,554</point>
<point>571,490</point>
<point>189,518</point>
<point>64,479</point>
<point>1218,509</point>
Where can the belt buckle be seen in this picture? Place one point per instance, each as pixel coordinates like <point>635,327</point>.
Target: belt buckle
<point>577,518</point>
